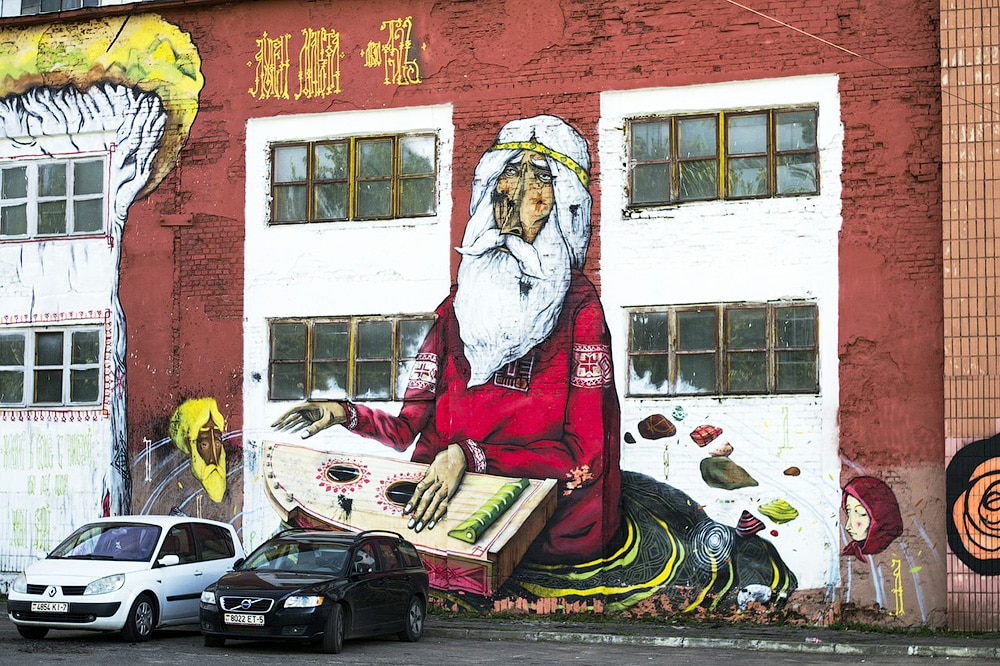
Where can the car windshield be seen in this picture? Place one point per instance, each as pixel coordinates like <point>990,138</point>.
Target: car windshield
<point>303,557</point>
<point>133,542</point>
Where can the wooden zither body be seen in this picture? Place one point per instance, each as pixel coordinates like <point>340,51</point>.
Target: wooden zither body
<point>493,519</point>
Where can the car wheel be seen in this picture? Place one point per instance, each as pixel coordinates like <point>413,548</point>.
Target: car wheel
<point>140,621</point>
<point>34,633</point>
<point>333,633</point>
<point>214,641</point>
<point>413,623</point>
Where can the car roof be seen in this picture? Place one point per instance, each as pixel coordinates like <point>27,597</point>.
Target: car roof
<point>328,536</point>
<point>158,520</point>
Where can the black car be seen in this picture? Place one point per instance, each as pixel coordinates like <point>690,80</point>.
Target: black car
<point>320,587</point>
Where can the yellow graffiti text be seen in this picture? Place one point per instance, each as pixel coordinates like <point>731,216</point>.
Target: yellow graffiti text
<point>271,64</point>
<point>393,53</point>
<point>897,587</point>
<point>319,63</point>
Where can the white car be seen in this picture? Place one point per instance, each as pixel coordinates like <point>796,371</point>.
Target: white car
<point>130,574</point>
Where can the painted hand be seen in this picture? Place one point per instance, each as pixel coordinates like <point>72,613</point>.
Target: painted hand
<point>311,417</point>
<point>429,503</point>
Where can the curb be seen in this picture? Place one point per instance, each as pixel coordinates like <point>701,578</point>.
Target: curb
<point>901,649</point>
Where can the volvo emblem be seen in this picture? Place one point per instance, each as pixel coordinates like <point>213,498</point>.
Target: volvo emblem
<point>51,590</point>
<point>245,604</point>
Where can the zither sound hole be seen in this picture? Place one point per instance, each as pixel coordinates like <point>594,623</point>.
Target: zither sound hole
<point>400,492</point>
<point>342,473</point>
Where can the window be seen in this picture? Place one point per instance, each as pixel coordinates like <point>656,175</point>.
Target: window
<point>723,350</point>
<point>45,6</point>
<point>215,542</point>
<point>50,367</point>
<point>363,358</point>
<point>729,155</point>
<point>51,199</point>
<point>360,178</point>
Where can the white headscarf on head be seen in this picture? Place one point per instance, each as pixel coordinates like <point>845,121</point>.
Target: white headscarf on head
<point>508,302</point>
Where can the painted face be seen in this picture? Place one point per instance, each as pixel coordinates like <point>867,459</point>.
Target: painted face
<point>524,196</point>
<point>210,444</point>
<point>858,520</point>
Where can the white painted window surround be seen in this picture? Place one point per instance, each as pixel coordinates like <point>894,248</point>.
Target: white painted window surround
<point>334,269</point>
<point>759,251</point>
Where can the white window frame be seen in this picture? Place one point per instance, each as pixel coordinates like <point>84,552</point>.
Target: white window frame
<point>32,199</point>
<point>30,367</point>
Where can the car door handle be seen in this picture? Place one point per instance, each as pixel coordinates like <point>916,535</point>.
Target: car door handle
<point>198,573</point>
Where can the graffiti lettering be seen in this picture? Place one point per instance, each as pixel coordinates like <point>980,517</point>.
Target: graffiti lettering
<point>897,587</point>
<point>79,448</point>
<point>399,69</point>
<point>42,528</point>
<point>14,446</point>
<point>272,63</point>
<point>19,528</point>
<point>319,63</point>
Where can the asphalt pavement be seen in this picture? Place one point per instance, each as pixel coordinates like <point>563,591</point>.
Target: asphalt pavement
<point>669,633</point>
<point>705,634</point>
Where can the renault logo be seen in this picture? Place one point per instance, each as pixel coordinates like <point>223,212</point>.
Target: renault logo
<point>51,590</point>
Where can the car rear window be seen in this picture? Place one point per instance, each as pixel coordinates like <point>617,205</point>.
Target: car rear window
<point>408,554</point>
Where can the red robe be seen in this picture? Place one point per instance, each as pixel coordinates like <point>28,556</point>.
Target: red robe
<point>552,414</point>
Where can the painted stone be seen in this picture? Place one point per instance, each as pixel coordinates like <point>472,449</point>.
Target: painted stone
<point>793,471</point>
<point>749,524</point>
<point>704,434</point>
<point>629,438</point>
<point>723,449</point>
<point>721,472</point>
<point>656,427</point>
<point>779,510</point>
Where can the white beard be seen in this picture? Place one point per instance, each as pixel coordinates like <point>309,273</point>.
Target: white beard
<point>509,301</point>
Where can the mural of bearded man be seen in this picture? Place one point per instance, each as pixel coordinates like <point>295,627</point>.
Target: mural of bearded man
<point>515,379</point>
<point>196,428</point>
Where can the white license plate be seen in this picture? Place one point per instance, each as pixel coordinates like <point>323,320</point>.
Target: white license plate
<point>49,607</point>
<point>243,618</point>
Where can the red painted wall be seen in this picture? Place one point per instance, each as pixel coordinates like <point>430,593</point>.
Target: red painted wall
<point>182,268</point>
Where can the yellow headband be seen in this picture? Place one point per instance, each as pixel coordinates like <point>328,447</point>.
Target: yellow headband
<point>548,152</point>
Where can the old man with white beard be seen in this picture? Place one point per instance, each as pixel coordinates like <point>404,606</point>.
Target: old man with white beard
<point>514,377</point>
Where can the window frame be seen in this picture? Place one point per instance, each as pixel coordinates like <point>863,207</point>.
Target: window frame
<point>776,354</point>
<point>724,158</point>
<point>354,179</point>
<point>33,199</point>
<point>30,367</point>
<point>398,363</point>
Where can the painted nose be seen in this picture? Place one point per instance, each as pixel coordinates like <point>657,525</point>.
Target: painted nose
<point>511,223</point>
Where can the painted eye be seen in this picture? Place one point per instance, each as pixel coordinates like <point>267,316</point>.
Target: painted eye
<point>511,171</point>
<point>544,176</point>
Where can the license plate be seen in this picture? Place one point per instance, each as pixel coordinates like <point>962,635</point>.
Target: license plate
<point>49,607</point>
<point>243,618</point>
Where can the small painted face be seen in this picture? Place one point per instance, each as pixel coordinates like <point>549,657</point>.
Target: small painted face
<point>524,196</point>
<point>858,520</point>
<point>210,444</point>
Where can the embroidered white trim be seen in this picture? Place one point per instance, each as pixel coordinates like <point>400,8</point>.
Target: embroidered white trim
<point>423,374</point>
<point>477,454</point>
<point>591,366</point>
<point>352,416</point>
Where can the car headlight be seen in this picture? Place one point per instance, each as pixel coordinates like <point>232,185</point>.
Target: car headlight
<point>208,597</point>
<point>106,584</point>
<point>303,601</point>
<point>20,583</point>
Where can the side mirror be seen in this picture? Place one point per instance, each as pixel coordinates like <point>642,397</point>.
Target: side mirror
<point>238,563</point>
<point>168,561</point>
